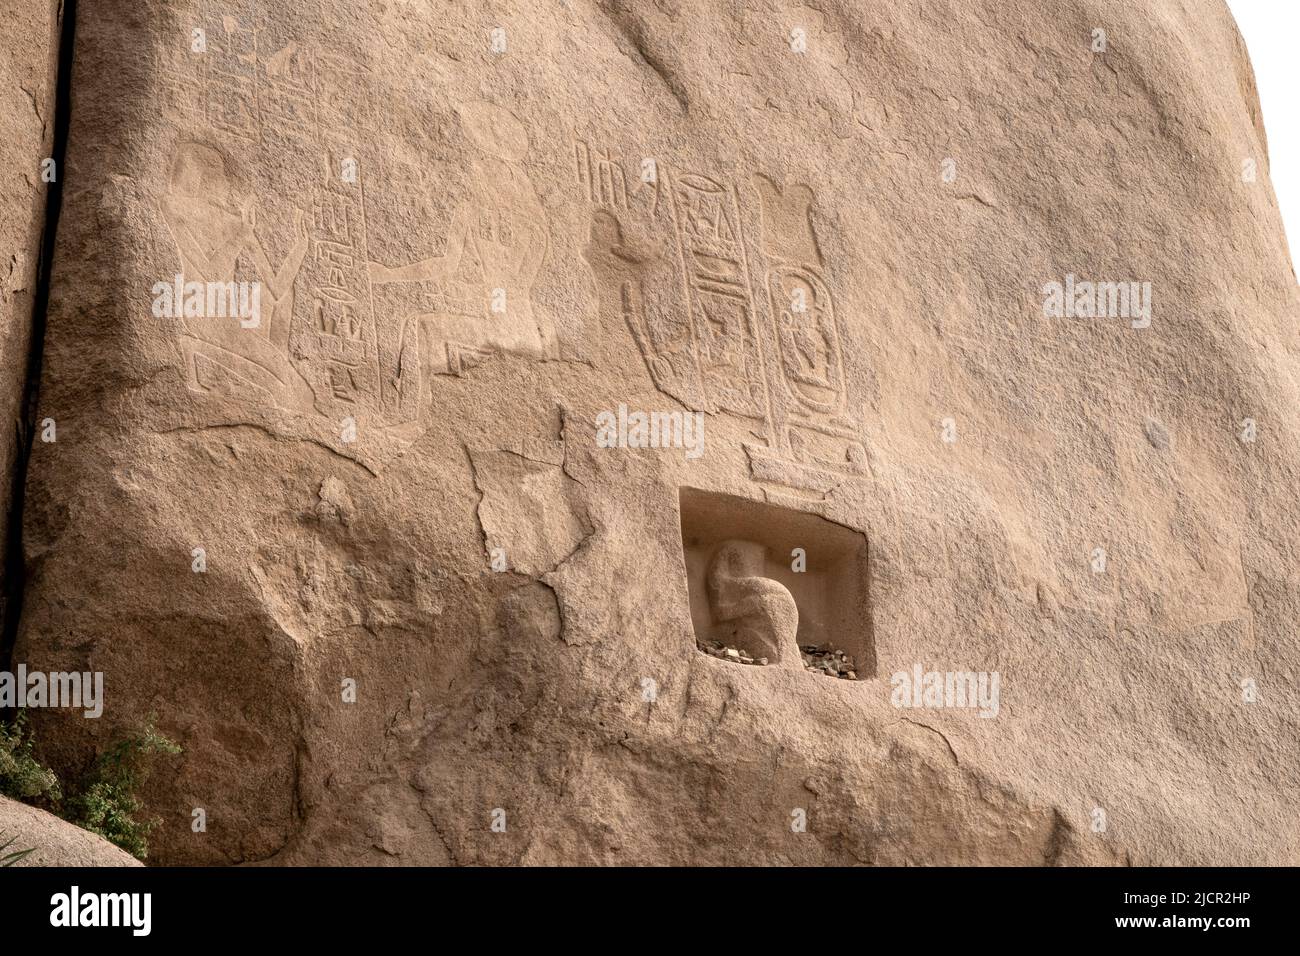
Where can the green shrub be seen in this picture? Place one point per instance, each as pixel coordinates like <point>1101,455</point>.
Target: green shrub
<point>107,802</point>
<point>21,775</point>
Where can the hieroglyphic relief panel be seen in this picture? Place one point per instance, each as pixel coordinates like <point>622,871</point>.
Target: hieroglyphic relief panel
<point>697,329</point>
<point>652,298</point>
<point>287,87</point>
<point>250,85</point>
<point>815,429</point>
<point>247,75</point>
<point>716,273</point>
<point>472,298</point>
<point>211,70</point>
<point>339,336</point>
<point>211,216</point>
<point>764,345</point>
<point>230,64</point>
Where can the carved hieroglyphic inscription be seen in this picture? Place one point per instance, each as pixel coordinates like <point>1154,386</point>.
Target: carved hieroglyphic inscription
<point>766,347</point>
<point>245,76</point>
<point>805,326</point>
<point>237,84</point>
<point>212,76</point>
<point>814,429</point>
<point>601,176</point>
<point>252,89</point>
<point>476,298</point>
<point>340,331</point>
<point>690,306</point>
<point>725,341</point>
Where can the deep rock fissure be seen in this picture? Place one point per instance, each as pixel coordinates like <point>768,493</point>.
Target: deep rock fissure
<point>15,566</point>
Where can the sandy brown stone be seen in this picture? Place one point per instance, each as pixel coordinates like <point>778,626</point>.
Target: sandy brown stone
<point>28,74</point>
<point>398,478</point>
<point>54,842</point>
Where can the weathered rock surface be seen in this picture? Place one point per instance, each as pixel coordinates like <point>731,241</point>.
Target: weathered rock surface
<point>54,842</point>
<point>837,255</point>
<point>28,72</point>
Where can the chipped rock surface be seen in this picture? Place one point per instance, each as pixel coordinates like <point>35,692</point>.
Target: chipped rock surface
<point>590,333</point>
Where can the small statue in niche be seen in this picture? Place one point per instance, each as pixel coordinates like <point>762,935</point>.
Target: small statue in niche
<point>759,611</point>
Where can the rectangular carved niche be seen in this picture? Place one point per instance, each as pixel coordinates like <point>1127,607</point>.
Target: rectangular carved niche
<point>744,590</point>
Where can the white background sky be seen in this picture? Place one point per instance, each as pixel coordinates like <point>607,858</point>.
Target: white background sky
<point>1271,29</point>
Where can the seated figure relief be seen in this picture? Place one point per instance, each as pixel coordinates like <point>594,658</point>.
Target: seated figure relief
<point>497,243</point>
<point>213,225</point>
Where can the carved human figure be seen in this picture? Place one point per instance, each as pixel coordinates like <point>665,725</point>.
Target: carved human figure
<point>496,246</point>
<point>761,610</point>
<point>213,226</point>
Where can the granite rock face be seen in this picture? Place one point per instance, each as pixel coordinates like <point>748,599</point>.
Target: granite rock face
<point>29,50</point>
<point>415,363</point>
